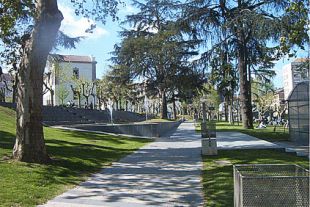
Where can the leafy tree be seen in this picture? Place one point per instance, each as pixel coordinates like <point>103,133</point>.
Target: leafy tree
<point>101,89</point>
<point>77,91</point>
<point>303,68</point>
<point>155,49</point>
<point>62,93</point>
<point>247,27</point>
<point>120,86</point>
<point>263,96</point>
<point>47,83</point>
<point>87,89</point>
<point>46,18</point>
<point>223,75</point>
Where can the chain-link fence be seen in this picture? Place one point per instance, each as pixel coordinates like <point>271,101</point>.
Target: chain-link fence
<point>266,185</point>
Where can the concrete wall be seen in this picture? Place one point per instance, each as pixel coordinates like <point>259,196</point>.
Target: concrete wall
<point>292,75</point>
<point>145,130</point>
<point>287,80</point>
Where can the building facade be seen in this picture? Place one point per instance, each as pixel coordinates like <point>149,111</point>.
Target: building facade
<point>64,77</point>
<point>278,98</point>
<point>294,73</point>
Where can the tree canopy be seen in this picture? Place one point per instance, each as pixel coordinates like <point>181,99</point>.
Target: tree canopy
<point>156,51</point>
<point>254,33</point>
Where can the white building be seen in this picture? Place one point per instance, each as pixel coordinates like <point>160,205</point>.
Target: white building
<point>293,74</point>
<point>60,70</point>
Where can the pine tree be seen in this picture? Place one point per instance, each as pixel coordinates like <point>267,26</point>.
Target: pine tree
<point>247,27</point>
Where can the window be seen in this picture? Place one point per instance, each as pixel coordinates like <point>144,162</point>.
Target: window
<point>75,95</point>
<point>76,73</point>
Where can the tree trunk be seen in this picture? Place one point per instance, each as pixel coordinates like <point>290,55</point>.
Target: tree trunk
<point>52,97</point>
<point>30,145</point>
<point>226,108</point>
<point>99,103</point>
<point>164,108</point>
<point>116,103</point>
<point>174,107</point>
<point>14,87</point>
<point>231,108</point>
<point>87,101</point>
<point>245,97</point>
<point>79,100</point>
<point>94,101</point>
<point>2,95</point>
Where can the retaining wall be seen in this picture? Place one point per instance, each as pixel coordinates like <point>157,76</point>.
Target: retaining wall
<point>159,129</point>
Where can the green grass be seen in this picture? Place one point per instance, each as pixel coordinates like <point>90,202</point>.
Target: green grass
<point>218,180</point>
<point>266,134</point>
<point>76,155</point>
<point>159,120</point>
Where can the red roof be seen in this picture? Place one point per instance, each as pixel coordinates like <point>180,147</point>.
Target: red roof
<point>301,60</point>
<point>74,58</point>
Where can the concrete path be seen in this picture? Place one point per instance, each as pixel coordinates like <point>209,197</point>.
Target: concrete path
<point>163,173</point>
<point>237,140</point>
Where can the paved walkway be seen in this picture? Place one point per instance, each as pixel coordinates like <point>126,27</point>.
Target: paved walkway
<point>163,173</point>
<point>237,140</point>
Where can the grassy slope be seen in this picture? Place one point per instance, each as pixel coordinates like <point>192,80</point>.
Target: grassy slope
<point>75,154</point>
<point>266,134</point>
<point>218,180</point>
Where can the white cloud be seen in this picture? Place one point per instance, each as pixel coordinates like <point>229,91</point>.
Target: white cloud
<point>75,26</point>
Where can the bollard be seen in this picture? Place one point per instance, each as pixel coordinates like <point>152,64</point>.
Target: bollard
<point>208,146</point>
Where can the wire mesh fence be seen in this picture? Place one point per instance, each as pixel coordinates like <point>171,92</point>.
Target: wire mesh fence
<point>265,185</point>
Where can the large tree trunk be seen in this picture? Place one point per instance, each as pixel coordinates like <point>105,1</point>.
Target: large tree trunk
<point>164,108</point>
<point>245,85</point>
<point>30,145</point>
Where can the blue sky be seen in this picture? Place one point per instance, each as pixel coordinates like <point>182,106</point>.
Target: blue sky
<point>98,44</point>
<point>101,42</point>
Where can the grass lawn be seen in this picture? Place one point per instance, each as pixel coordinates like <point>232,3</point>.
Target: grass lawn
<point>266,134</point>
<point>159,120</point>
<point>218,179</point>
<point>76,155</point>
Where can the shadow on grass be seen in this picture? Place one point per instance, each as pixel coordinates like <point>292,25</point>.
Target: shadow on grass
<point>84,153</point>
<point>75,155</point>
<point>89,136</point>
<point>6,142</point>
